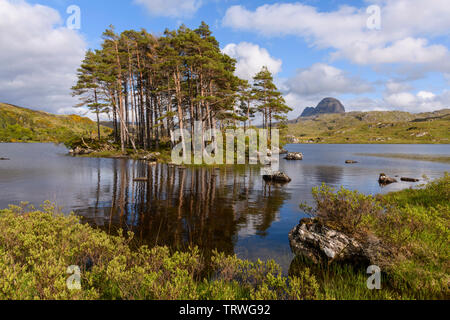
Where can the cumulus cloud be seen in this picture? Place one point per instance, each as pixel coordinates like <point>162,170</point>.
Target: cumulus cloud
<point>406,24</point>
<point>171,8</point>
<point>39,57</point>
<point>423,101</point>
<point>251,58</point>
<point>323,79</point>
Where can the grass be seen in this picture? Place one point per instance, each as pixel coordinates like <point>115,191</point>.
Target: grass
<point>418,157</point>
<point>392,127</point>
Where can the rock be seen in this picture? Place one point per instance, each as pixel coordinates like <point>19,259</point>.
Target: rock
<point>409,179</point>
<point>284,151</point>
<point>292,140</point>
<point>4,159</point>
<point>384,179</point>
<point>152,157</point>
<point>294,156</point>
<point>80,151</point>
<point>326,106</point>
<point>277,177</point>
<point>351,161</point>
<point>322,244</point>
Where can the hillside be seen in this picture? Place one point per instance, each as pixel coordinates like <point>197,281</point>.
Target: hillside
<point>373,127</point>
<point>24,125</point>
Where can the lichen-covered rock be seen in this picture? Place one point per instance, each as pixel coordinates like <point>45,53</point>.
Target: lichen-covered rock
<point>294,156</point>
<point>384,179</point>
<point>277,177</point>
<point>321,244</point>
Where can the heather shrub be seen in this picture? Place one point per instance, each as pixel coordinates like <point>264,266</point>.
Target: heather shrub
<point>38,246</point>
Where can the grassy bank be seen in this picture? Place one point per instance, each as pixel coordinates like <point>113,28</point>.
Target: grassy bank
<point>418,157</point>
<point>24,125</point>
<point>37,247</point>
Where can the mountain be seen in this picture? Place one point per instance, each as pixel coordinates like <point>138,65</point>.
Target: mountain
<point>373,127</point>
<point>19,124</point>
<point>326,106</point>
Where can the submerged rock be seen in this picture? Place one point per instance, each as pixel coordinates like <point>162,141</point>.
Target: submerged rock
<point>384,179</point>
<point>409,179</point>
<point>294,156</point>
<point>277,177</point>
<point>321,244</point>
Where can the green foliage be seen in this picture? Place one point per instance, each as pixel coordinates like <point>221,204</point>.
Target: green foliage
<point>343,210</point>
<point>37,247</point>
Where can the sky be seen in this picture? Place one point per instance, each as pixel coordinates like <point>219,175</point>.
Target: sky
<point>370,54</point>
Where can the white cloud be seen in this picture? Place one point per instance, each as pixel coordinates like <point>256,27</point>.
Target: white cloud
<point>39,57</point>
<point>406,25</point>
<point>251,58</point>
<point>423,101</point>
<point>171,8</point>
<point>323,79</point>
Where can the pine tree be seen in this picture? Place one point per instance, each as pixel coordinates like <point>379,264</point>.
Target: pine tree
<point>88,87</point>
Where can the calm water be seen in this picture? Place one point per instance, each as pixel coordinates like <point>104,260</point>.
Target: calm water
<point>230,209</point>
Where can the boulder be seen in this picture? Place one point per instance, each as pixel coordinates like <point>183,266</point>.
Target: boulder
<point>80,151</point>
<point>152,157</point>
<point>384,179</point>
<point>4,159</point>
<point>277,177</point>
<point>322,245</point>
<point>351,162</point>
<point>292,139</point>
<point>294,156</point>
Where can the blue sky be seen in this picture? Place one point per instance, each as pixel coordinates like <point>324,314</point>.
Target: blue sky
<point>315,48</point>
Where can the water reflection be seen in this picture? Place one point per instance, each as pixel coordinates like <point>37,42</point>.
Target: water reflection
<point>205,207</point>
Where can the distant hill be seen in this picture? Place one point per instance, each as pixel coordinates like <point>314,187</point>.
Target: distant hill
<point>19,124</point>
<point>372,127</point>
<point>326,106</point>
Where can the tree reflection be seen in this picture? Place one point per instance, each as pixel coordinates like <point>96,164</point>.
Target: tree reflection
<point>204,207</point>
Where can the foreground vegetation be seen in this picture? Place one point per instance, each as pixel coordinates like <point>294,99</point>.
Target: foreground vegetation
<point>393,127</point>
<point>413,229</point>
<point>24,125</point>
<point>37,247</point>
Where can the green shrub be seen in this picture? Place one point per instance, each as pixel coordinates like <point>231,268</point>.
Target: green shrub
<point>37,247</point>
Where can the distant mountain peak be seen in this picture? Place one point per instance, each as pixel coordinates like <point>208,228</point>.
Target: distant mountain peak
<point>326,106</point>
